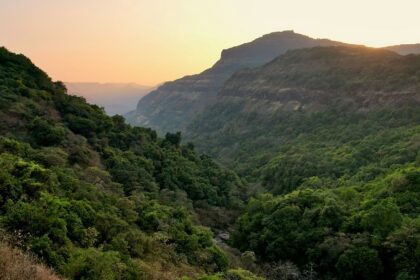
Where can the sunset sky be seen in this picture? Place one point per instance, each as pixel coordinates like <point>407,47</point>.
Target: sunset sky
<point>151,41</point>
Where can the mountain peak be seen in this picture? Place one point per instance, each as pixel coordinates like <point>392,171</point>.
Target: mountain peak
<point>172,105</point>
<point>267,47</point>
<point>284,33</point>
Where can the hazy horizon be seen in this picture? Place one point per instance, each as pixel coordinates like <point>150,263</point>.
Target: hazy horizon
<point>110,83</point>
<point>148,42</point>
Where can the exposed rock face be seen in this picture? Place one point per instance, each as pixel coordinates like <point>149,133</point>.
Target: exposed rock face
<point>261,112</point>
<point>171,106</point>
<point>348,76</point>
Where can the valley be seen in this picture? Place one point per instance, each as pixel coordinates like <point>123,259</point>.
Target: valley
<point>290,158</point>
<point>113,97</point>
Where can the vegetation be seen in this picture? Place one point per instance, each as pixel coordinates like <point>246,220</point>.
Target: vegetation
<point>14,265</point>
<point>237,274</point>
<point>95,198</point>
<point>285,150</point>
<point>342,177</point>
<point>336,188</point>
<point>353,231</point>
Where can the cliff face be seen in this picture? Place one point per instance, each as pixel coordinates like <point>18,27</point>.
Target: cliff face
<point>352,77</point>
<point>171,106</point>
<point>259,112</point>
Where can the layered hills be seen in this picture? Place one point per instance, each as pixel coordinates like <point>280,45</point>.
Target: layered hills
<point>115,98</point>
<point>345,78</point>
<point>326,140</point>
<point>267,103</point>
<point>171,106</point>
<point>331,135</point>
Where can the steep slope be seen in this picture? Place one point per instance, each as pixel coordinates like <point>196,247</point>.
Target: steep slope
<point>261,109</point>
<point>15,265</point>
<point>95,198</point>
<point>334,134</point>
<point>308,80</point>
<point>114,98</point>
<point>172,105</point>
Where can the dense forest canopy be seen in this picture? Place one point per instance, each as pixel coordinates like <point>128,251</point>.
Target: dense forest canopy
<point>326,141</point>
<point>333,135</point>
<point>97,199</point>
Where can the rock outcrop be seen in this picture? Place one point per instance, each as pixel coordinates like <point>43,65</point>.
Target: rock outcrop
<point>347,76</point>
<point>172,105</point>
<point>260,110</point>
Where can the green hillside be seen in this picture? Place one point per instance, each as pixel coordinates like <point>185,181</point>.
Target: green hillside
<point>97,199</point>
<point>327,140</point>
<point>309,113</point>
<point>333,135</point>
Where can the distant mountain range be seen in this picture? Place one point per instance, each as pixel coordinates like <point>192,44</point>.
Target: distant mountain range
<point>116,98</point>
<point>172,106</point>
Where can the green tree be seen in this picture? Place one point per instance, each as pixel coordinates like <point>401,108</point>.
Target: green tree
<point>359,263</point>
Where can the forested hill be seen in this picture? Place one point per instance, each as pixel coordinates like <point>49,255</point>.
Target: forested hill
<point>95,198</point>
<point>355,78</point>
<point>262,109</point>
<point>170,107</point>
<point>333,135</point>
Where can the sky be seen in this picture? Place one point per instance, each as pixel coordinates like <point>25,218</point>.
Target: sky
<point>151,41</point>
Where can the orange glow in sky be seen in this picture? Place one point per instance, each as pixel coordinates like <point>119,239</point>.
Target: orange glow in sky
<point>151,41</point>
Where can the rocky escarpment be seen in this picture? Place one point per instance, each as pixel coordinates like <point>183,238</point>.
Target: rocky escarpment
<point>171,106</point>
<point>261,111</point>
<point>329,131</point>
<point>343,76</point>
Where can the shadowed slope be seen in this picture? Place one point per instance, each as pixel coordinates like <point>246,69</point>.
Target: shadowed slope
<point>172,105</point>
